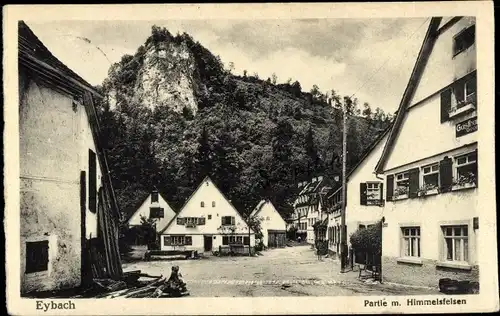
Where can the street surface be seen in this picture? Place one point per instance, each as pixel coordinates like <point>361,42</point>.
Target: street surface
<point>290,271</point>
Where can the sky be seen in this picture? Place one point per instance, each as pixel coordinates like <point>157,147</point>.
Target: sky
<point>370,58</point>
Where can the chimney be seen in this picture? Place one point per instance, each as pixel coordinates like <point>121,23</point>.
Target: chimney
<point>299,185</point>
<point>320,178</point>
<point>314,179</point>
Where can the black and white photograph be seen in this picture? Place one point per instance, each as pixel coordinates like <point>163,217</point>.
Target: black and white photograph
<point>191,154</point>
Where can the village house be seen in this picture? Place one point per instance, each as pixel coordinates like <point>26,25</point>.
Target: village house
<point>307,210</point>
<point>155,207</point>
<point>272,224</point>
<point>430,166</point>
<point>364,195</point>
<point>206,223</point>
<point>68,208</point>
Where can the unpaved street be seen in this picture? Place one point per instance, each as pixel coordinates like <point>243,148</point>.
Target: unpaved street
<point>297,267</point>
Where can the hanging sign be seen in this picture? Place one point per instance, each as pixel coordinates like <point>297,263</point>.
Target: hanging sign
<point>466,127</point>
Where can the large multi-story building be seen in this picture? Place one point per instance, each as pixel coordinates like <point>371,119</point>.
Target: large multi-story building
<point>430,163</point>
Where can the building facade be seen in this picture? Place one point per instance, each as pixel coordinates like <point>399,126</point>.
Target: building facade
<point>155,207</point>
<point>307,207</point>
<point>206,223</point>
<point>272,225</point>
<point>365,200</point>
<point>66,196</point>
<point>430,164</point>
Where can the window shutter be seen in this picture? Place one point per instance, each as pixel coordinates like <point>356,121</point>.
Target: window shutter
<point>414,182</point>
<point>188,240</point>
<point>445,105</point>
<point>390,187</point>
<point>222,221</point>
<point>167,241</point>
<point>246,240</point>
<point>446,174</point>
<point>475,169</point>
<point>225,240</point>
<point>161,213</point>
<point>92,181</point>
<point>201,221</point>
<point>362,194</point>
<point>381,186</point>
<point>232,220</point>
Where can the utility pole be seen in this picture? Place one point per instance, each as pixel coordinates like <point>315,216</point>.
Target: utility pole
<point>343,232</point>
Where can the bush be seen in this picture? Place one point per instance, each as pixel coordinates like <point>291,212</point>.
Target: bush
<point>368,239</point>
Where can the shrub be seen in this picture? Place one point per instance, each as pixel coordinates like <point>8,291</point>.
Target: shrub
<point>368,239</point>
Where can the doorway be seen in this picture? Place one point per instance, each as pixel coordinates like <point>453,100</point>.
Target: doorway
<point>207,243</point>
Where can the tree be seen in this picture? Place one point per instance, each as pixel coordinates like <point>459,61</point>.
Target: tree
<point>367,111</point>
<point>254,223</point>
<point>313,161</point>
<point>274,78</point>
<point>231,67</point>
<point>203,155</point>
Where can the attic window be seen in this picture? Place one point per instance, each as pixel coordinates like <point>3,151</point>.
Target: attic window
<point>464,40</point>
<point>37,256</point>
<point>154,197</point>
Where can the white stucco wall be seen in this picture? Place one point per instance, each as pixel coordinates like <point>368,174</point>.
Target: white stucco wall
<point>423,134</point>
<point>442,68</point>
<point>54,142</point>
<point>423,140</point>
<point>144,210</point>
<point>207,192</point>
<point>270,220</point>
<point>356,213</point>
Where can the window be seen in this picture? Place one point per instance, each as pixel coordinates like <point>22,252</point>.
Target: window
<point>235,239</point>
<point>213,203</point>
<point>191,221</point>
<point>267,218</point>
<point>464,91</point>
<point>411,242</point>
<point>402,183</point>
<point>37,256</point>
<point>227,220</point>
<point>154,197</point>
<point>373,193</point>
<point>464,40</point>
<point>361,226</point>
<point>430,175</point>
<point>466,168</point>
<point>177,240</point>
<point>209,216</point>
<point>246,240</point>
<point>156,212</point>
<point>456,243</point>
<point>202,204</point>
<point>92,182</point>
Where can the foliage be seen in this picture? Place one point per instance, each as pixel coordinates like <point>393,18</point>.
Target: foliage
<point>464,179</point>
<point>253,138</point>
<point>368,239</point>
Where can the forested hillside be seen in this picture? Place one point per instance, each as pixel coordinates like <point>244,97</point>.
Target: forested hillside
<point>173,114</point>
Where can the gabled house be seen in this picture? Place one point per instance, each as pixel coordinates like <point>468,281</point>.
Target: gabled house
<point>306,208</point>
<point>154,207</point>
<point>430,163</point>
<point>207,222</point>
<point>68,208</point>
<point>272,224</point>
<point>364,193</point>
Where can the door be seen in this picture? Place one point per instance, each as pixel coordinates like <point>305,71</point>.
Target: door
<point>207,243</point>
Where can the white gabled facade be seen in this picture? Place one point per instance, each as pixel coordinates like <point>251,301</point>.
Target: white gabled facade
<point>153,207</point>
<point>430,164</point>
<point>272,224</point>
<point>365,199</point>
<point>207,222</point>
